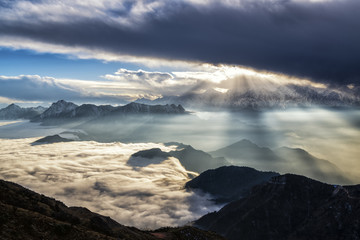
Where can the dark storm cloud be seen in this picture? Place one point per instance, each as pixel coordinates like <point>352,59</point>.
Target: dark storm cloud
<point>308,39</point>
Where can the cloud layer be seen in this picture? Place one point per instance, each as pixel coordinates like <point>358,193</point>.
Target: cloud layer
<point>96,176</point>
<point>213,85</point>
<point>316,39</point>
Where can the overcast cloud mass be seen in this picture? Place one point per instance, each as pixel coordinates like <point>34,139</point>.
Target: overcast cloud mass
<point>314,39</point>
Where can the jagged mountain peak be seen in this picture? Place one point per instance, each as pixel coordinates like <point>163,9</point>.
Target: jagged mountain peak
<point>14,111</point>
<point>58,108</point>
<point>135,107</point>
<point>13,105</point>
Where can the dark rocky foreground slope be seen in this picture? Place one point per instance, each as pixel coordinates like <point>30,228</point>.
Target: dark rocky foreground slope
<point>28,215</point>
<point>290,207</point>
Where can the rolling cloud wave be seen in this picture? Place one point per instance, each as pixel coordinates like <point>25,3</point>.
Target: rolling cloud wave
<point>97,176</point>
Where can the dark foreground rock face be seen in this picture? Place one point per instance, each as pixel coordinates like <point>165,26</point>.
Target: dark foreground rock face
<point>29,215</point>
<point>290,207</point>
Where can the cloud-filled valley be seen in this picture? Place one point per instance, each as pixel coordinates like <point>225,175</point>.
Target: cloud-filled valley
<point>97,176</point>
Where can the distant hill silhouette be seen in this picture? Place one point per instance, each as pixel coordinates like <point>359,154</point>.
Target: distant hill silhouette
<point>284,160</point>
<point>191,159</point>
<point>51,139</point>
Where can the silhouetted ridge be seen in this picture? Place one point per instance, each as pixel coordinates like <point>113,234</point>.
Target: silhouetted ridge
<point>283,160</point>
<point>197,160</point>
<point>229,183</point>
<point>190,158</point>
<point>247,150</point>
<point>151,153</point>
<point>52,139</point>
<point>290,207</point>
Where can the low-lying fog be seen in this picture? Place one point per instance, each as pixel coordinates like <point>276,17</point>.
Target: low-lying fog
<point>97,176</point>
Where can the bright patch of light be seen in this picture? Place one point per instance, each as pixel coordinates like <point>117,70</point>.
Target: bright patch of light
<point>221,90</point>
<point>4,123</point>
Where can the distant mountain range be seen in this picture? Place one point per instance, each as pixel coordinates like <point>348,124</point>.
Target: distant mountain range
<point>270,96</point>
<point>284,160</point>
<point>246,153</point>
<point>68,110</point>
<point>15,112</point>
<point>241,153</point>
<point>29,215</point>
<point>289,207</point>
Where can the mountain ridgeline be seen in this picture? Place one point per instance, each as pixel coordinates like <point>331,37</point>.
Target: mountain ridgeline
<point>191,159</point>
<point>289,207</point>
<point>283,160</point>
<point>229,183</point>
<point>67,110</point>
<point>13,111</point>
<point>62,110</point>
<point>245,95</point>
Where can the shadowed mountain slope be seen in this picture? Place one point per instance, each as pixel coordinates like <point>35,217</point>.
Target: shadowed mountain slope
<point>230,183</point>
<point>283,160</point>
<point>197,160</point>
<point>191,159</point>
<point>290,207</point>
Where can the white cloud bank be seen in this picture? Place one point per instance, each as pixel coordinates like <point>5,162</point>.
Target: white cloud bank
<point>96,176</point>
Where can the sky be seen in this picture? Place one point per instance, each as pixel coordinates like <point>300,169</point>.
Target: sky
<point>110,51</point>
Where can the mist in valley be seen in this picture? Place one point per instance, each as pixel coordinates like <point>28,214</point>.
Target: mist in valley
<point>97,171</point>
<point>330,134</point>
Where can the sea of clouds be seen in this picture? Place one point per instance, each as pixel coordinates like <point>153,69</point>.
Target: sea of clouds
<point>98,176</point>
